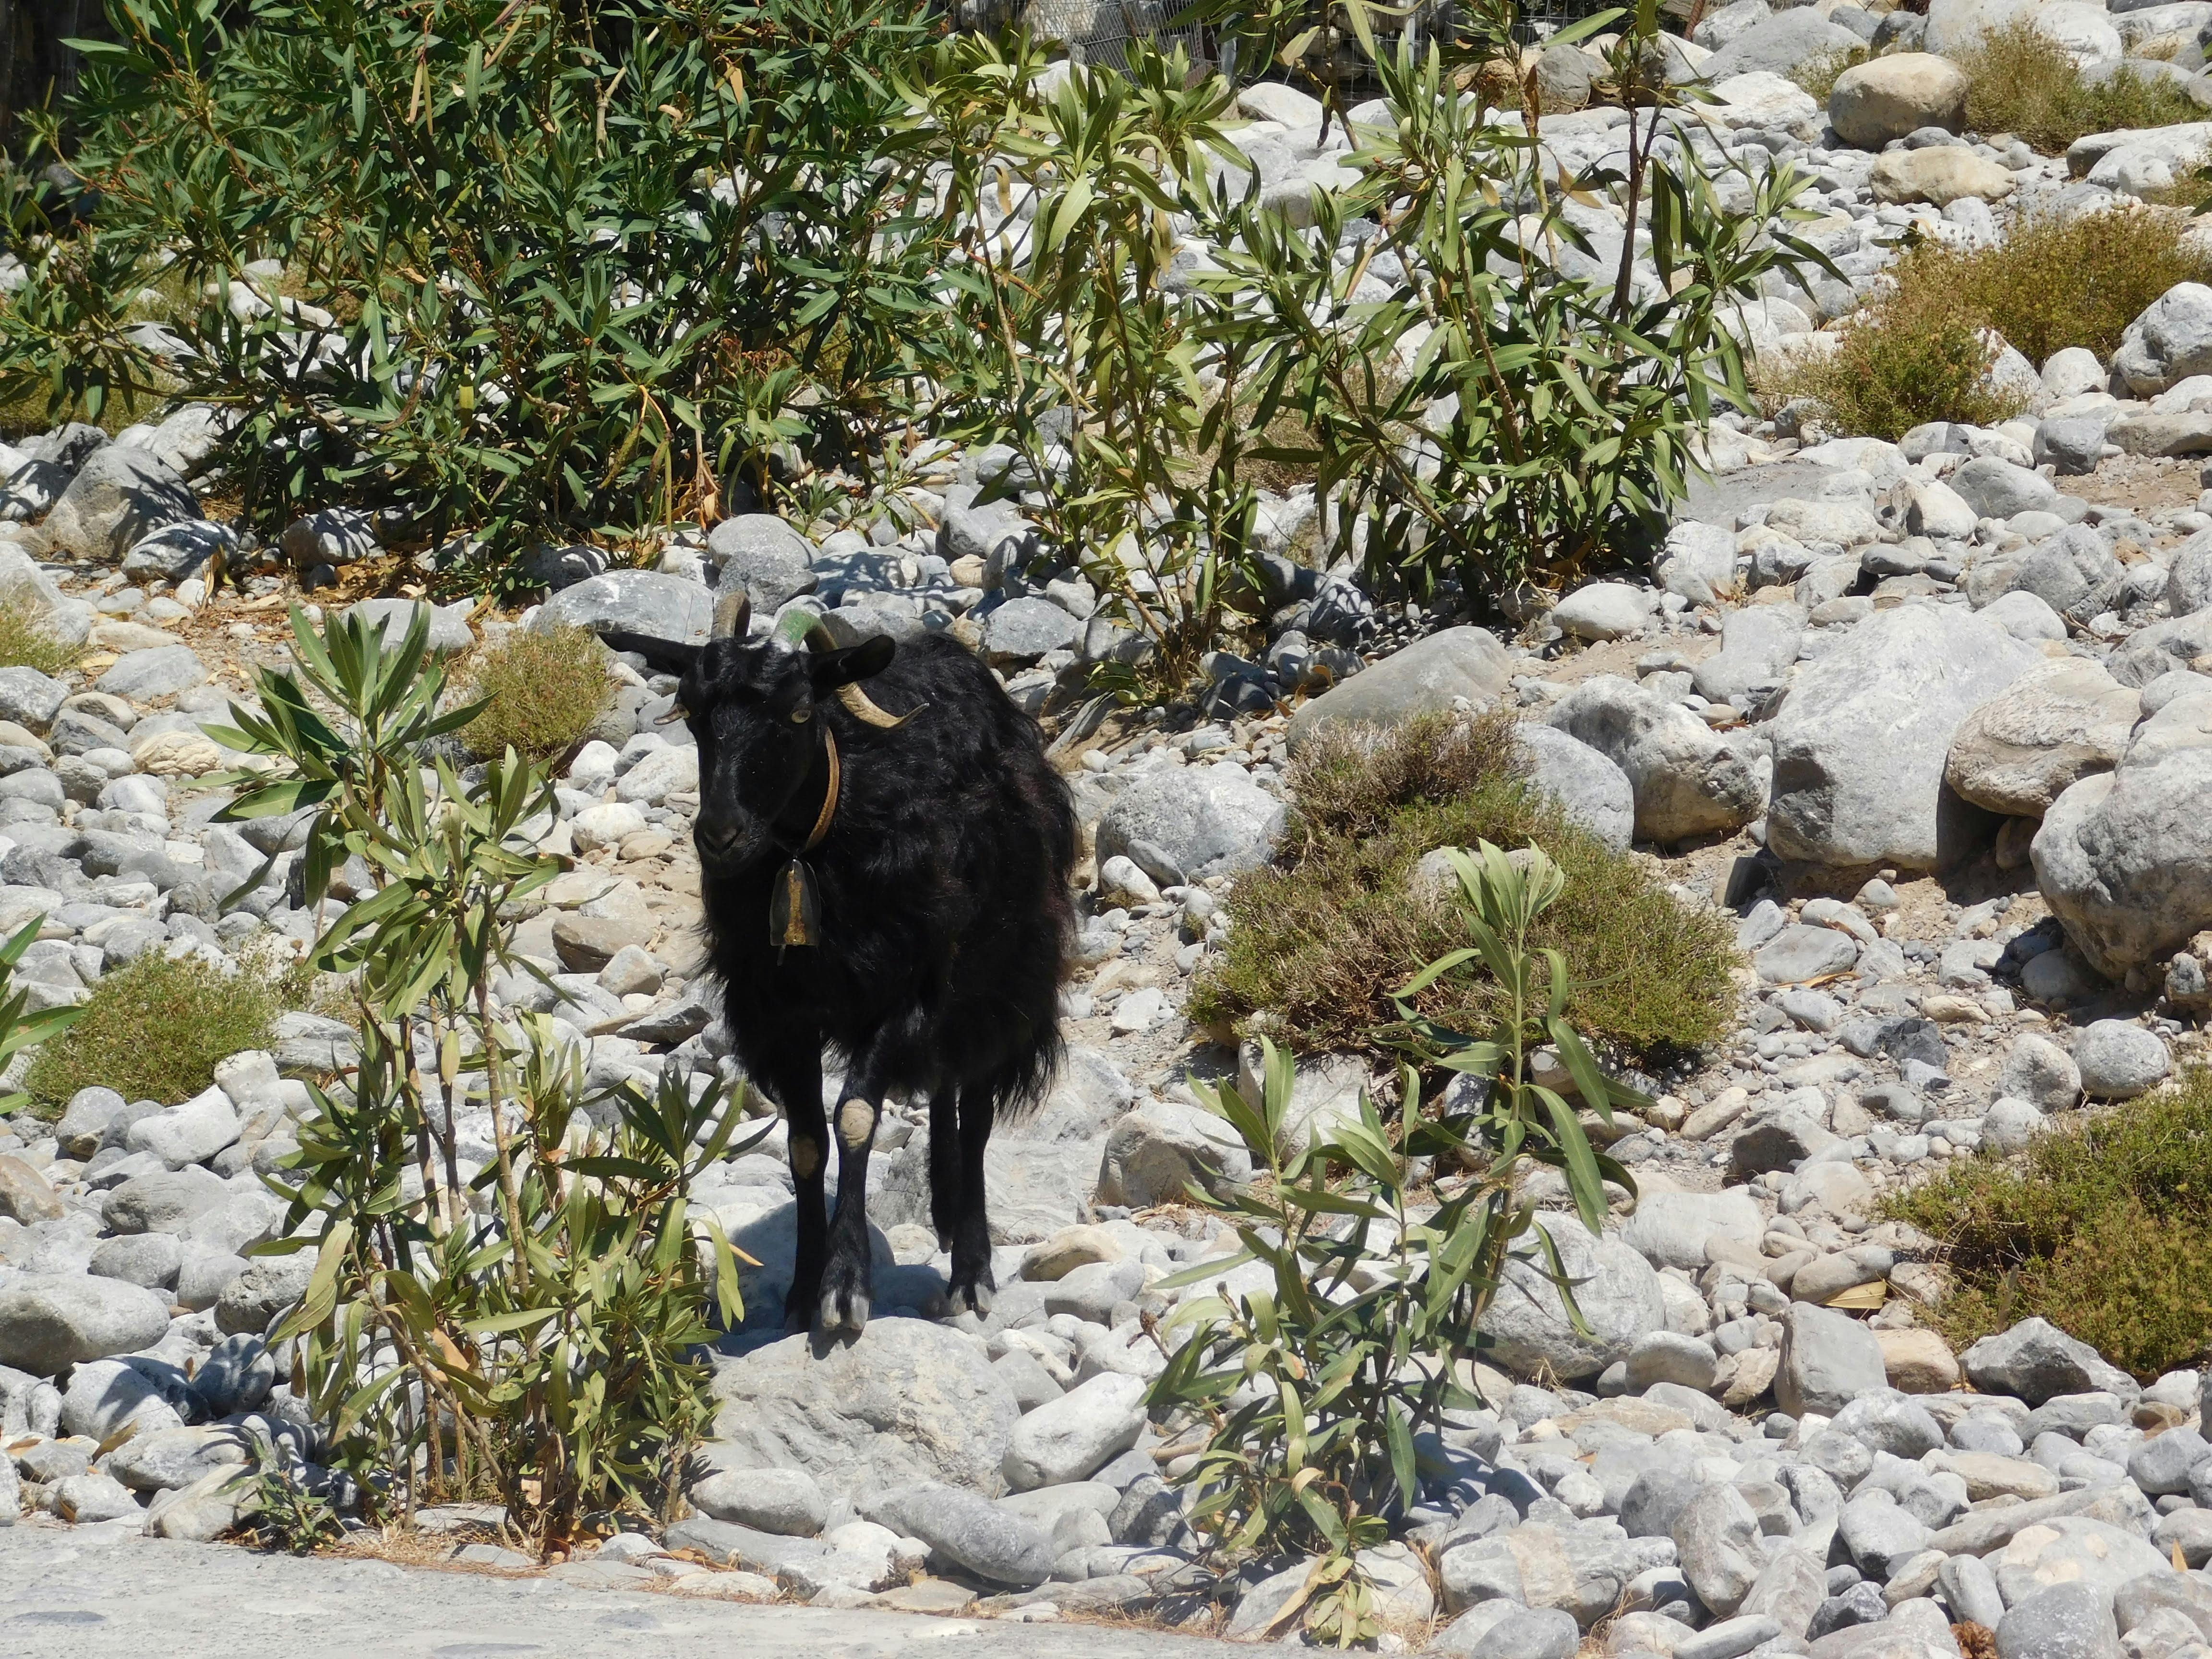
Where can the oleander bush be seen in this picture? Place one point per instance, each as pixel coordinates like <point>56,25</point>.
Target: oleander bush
<point>542,273</point>
<point>1379,1272</point>
<point>547,269</point>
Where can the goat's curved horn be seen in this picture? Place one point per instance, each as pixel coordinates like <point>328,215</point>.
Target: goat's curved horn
<point>804,625</point>
<point>733,614</point>
<point>861,707</point>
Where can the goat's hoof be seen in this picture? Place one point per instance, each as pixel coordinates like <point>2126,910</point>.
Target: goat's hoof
<point>968,1298</point>
<point>847,1311</point>
<point>844,1298</point>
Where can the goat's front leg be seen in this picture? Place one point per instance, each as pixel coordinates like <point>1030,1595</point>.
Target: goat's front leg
<point>794,1080</point>
<point>848,1272</point>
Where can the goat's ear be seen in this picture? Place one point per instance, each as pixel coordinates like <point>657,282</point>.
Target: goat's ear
<point>854,663</point>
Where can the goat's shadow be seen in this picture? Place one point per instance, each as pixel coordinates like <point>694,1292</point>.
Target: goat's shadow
<point>771,1238</point>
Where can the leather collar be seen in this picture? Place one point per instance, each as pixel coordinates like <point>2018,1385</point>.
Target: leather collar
<point>831,790</point>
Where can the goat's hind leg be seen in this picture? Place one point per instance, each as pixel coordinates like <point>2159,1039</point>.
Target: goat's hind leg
<point>944,1161</point>
<point>969,1233</point>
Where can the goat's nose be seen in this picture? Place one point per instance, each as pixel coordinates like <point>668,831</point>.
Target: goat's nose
<point>715,837</point>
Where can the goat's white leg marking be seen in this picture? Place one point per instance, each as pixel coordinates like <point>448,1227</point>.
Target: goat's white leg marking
<point>856,1122</point>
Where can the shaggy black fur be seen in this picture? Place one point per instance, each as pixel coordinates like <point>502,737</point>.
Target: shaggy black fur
<point>945,919</point>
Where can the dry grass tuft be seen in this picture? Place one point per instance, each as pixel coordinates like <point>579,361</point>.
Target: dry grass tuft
<point>1921,350</point>
<point>25,643</point>
<point>1323,935</point>
<point>2103,1227</point>
<point>546,690</point>
<point>1912,354</point>
<point>2053,283</point>
<point>1819,74</point>
<point>156,1029</point>
<point>2022,82</point>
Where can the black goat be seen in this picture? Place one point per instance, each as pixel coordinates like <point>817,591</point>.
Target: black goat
<point>916,867</point>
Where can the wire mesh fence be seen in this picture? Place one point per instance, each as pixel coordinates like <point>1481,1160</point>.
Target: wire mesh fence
<point>1098,32</point>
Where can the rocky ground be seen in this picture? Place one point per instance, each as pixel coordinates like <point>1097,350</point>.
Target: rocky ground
<point>1985,652</point>
<point>64,1602</point>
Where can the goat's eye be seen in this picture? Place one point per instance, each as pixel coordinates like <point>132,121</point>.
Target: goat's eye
<point>800,715</point>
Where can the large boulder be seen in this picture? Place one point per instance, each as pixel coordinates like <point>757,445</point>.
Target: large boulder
<point>1182,825</point>
<point>1716,1538</point>
<point>1615,1288</point>
<point>1956,26</point>
<point>163,1200</point>
<point>2082,28</point>
<point>2159,649</point>
<point>1698,560</point>
<point>2035,1361</point>
<point>50,1321</point>
<point>1759,648</point>
<point>2074,572</point>
<point>337,535</point>
<point>1422,679</point>
<point>1070,1438</point>
<point>191,1134</point>
<point>1828,1360</point>
<point>988,1540</point>
<point>1563,77</point>
<point>1605,610</point>
<point>26,588</point>
<point>2041,735</point>
<point>907,1401</point>
<point>1942,174</point>
<point>1156,1153</point>
<point>1780,45</point>
<point>1533,1574</point>
<point>106,1395</point>
<point>762,553</point>
<point>446,627</point>
<point>1587,786</point>
<point>2065,1619</point>
<point>175,550</point>
<point>1997,489</point>
<point>2171,341</point>
<point>2189,577</point>
<point>636,601</point>
<point>2137,160</point>
<point>29,698</point>
<point>2120,1061</point>
<point>2124,857</point>
<point>1671,1229</point>
<point>1024,630</point>
<point>1688,780</point>
<point>1861,739</point>
<point>121,495</point>
<point>269,1287</point>
<point>159,671</point>
<point>1874,102</point>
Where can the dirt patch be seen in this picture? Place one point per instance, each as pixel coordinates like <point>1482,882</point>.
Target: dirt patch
<point>2143,483</point>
